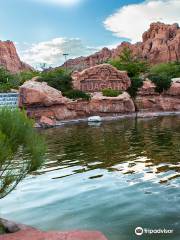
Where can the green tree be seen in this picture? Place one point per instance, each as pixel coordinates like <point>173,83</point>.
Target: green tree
<point>127,62</point>
<point>136,83</point>
<point>21,149</point>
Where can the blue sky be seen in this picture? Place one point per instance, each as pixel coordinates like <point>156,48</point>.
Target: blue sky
<point>44,29</point>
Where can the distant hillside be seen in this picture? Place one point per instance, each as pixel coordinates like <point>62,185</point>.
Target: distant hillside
<point>161,43</point>
<point>10,59</point>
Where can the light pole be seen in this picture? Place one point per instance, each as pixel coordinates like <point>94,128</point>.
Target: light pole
<point>65,56</point>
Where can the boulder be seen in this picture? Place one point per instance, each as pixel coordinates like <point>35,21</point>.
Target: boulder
<point>39,94</point>
<point>102,106</point>
<point>46,122</point>
<point>30,234</point>
<point>23,232</point>
<point>150,101</point>
<point>148,88</point>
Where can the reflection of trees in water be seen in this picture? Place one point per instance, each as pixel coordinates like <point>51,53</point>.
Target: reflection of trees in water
<point>113,143</point>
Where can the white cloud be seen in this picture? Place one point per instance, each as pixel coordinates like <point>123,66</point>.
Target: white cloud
<point>132,20</point>
<point>51,52</point>
<point>60,2</point>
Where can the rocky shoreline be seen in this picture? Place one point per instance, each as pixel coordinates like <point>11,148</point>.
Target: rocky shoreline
<point>137,115</point>
<point>50,108</point>
<point>15,231</point>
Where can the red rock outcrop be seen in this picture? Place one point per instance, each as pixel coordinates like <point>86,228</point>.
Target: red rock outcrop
<point>99,77</point>
<point>161,43</point>
<point>24,232</point>
<point>10,59</point>
<point>42,102</point>
<point>148,100</point>
<point>47,105</point>
<point>103,106</point>
<point>35,93</point>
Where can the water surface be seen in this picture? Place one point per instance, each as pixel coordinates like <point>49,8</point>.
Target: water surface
<point>110,177</point>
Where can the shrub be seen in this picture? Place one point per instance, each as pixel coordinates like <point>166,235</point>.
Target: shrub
<point>127,62</point>
<point>161,75</point>
<point>108,92</point>
<point>7,80</point>
<point>162,82</point>
<point>136,83</point>
<point>75,94</point>
<point>26,75</point>
<point>10,81</point>
<point>170,70</point>
<point>58,78</point>
<point>22,149</point>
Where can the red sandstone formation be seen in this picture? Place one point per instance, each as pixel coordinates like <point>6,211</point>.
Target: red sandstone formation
<point>31,234</point>
<point>148,100</point>
<point>39,94</point>
<point>99,77</point>
<point>103,106</point>
<point>161,43</point>
<point>23,232</point>
<point>10,59</point>
<point>47,105</point>
<point>41,100</point>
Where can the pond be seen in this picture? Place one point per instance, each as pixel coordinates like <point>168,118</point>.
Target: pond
<point>110,177</point>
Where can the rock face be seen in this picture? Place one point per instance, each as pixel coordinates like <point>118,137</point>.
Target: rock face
<point>28,233</point>
<point>148,100</point>
<point>99,77</point>
<point>82,63</point>
<point>45,104</point>
<point>10,59</point>
<point>103,106</point>
<point>161,43</point>
<point>39,94</point>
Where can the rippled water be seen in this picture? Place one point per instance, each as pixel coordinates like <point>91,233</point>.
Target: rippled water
<point>111,177</point>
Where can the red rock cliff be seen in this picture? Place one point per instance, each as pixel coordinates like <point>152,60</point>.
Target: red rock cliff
<point>161,43</point>
<point>10,59</point>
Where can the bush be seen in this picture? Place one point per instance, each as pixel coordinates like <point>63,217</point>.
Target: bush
<point>10,81</point>
<point>170,70</point>
<point>108,92</point>
<point>127,62</point>
<point>26,75</point>
<point>136,83</point>
<point>75,94</point>
<point>162,82</point>
<point>58,78</point>
<point>7,80</point>
<point>22,149</point>
<point>161,75</point>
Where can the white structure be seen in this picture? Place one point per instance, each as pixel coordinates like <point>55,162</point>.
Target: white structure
<point>9,99</point>
<point>94,119</point>
<point>177,80</point>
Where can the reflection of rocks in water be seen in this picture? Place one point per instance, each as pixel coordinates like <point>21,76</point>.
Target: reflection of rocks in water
<point>144,149</point>
<point>94,124</point>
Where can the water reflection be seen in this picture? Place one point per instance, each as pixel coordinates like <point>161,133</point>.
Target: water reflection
<point>147,147</point>
<point>111,178</point>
